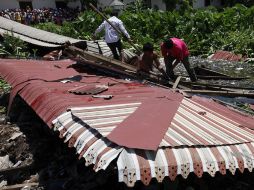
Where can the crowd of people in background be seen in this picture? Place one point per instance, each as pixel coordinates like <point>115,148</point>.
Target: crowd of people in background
<point>34,16</point>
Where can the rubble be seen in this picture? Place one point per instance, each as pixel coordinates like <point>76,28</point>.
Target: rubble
<point>3,184</point>
<point>2,120</point>
<point>32,154</point>
<point>5,162</point>
<point>14,136</point>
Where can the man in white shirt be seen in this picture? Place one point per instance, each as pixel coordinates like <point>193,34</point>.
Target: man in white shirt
<point>112,37</point>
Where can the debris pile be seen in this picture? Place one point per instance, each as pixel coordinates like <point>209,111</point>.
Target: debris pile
<point>98,106</point>
<point>31,157</point>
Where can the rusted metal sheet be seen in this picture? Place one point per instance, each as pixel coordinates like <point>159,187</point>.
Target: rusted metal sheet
<point>33,35</point>
<point>226,55</point>
<point>27,39</point>
<point>181,121</point>
<point>135,165</point>
<point>192,125</point>
<point>151,119</point>
<point>197,135</point>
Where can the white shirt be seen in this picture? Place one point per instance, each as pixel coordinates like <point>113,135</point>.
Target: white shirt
<point>111,35</point>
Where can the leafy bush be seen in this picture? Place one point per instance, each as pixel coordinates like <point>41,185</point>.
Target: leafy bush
<point>13,46</point>
<point>4,86</point>
<point>204,30</point>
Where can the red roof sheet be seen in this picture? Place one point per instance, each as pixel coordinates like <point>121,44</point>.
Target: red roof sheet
<point>151,119</point>
<point>226,55</point>
<point>178,135</point>
<point>39,84</point>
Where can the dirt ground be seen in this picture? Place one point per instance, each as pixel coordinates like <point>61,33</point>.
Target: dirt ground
<point>35,154</point>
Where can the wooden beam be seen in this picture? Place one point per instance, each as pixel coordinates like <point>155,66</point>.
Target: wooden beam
<point>19,186</point>
<point>222,93</point>
<point>11,171</point>
<point>215,85</point>
<point>100,58</point>
<point>101,61</point>
<point>177,82</point>
<point>221,78</point>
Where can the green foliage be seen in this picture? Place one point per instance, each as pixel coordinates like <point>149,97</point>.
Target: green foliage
<point>170,4</point>
<point>86,24</point>
<point>204,30</point>
<point>136,6</point>
<point>13,46</point>
<point>245,2</point>
<point>82,28</point>
<point>66,29</point>
<point>5,87</point>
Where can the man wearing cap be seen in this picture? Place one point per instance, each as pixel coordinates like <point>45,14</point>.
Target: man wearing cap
<point>174,49</point>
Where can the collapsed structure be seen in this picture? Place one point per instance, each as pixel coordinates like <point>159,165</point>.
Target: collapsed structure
<point>147,131</point>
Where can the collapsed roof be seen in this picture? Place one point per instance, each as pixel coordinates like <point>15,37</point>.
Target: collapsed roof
<point>151,132</point>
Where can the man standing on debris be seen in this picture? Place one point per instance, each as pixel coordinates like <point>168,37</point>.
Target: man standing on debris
<point>174,49</point>
<point>112,37</point>
<point>148,59</point>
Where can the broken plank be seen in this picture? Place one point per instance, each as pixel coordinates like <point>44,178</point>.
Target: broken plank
<point>177,82</point>
<point>220,77</point>
<point>111,64</point>
<point>103,66</point>
<point>19,186</point>
<point>99,57</point>
<point>215,85</point>
<point>202,71</point>
<point>221,93</point>
<point>11,171</point>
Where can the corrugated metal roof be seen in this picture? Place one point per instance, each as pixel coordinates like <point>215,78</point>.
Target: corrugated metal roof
<point>190,124</point>
<point>33,35</point>
<point>136,164</point>
<point>226,55</point>
<point>27,39</point>
<point>201,135</point>
<point>47,39</point>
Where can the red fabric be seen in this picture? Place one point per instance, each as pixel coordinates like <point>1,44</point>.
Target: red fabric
<point>179,50</point>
